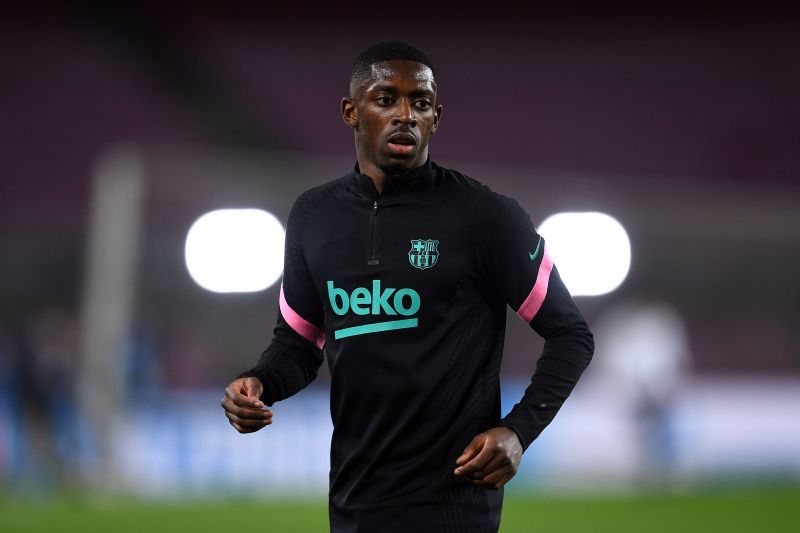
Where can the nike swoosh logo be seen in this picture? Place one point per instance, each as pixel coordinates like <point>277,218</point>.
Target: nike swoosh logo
<point>536,252</point>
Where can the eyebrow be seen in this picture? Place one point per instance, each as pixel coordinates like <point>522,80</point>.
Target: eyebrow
<point>391,88</point>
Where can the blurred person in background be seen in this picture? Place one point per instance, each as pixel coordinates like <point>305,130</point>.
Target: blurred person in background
<point>644,362</point>
<point>401,271</point>
<point>8,394</point>
<point>44,400</point>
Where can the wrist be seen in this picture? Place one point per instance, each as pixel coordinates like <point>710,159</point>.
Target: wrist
<point>514,436</point>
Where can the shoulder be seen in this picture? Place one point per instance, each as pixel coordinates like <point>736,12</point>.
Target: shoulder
<point>322,192</point>
<point>325,190</point>
<point>456,178</point>
<point>480,200</point>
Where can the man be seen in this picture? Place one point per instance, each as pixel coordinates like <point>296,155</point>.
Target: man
<point>401,271</point>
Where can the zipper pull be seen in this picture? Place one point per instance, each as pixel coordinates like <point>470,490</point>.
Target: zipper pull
<point>375,207</point>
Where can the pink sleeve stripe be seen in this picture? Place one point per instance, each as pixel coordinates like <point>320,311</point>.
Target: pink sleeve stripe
<point>303,327</point>
<point>535,299</point>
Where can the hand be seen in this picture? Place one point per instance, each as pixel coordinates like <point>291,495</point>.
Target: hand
<point>491,459</point>
<point>244,410</point>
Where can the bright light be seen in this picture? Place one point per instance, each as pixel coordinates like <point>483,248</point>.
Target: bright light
<point>235,250</point>
<point>591,251</point>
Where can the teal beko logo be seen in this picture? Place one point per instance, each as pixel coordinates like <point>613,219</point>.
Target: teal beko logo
<point>378,302</point>
<point>423,253</point>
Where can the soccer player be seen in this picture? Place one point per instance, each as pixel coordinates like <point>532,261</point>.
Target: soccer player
<point>399,272</point>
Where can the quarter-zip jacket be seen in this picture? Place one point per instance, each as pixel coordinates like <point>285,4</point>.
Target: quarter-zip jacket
<point>404,293</point>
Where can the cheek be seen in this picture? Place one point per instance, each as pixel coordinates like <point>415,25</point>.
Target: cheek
<point>372,128</point>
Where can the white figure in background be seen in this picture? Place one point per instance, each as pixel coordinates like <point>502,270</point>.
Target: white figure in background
<point>643,357</point>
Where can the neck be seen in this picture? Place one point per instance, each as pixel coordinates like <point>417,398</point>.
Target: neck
<point>378,175</point>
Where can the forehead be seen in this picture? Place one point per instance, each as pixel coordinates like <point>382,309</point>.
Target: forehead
<point>401,72</point>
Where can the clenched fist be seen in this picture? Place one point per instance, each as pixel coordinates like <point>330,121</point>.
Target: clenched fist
<point>244,410</point>
<point>491,459</point>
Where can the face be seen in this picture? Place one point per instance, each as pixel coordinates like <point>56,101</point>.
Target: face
<point>393,112</point>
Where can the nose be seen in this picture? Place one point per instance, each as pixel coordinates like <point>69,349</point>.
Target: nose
<point>404,113</point>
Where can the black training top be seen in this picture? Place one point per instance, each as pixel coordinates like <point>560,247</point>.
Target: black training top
<point>405,293</point>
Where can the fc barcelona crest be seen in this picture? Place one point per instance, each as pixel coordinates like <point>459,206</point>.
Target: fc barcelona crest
<point>423,253</point>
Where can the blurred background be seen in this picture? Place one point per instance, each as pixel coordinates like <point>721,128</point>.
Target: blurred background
<point>120,127</point>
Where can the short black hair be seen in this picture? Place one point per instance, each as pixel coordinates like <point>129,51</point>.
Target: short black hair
<point>387,51</point>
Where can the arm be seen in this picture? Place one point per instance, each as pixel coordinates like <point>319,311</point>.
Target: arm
<point>519,266</point>
<point>289,363</point>
<point>568,349</point>
<point>294,356</point>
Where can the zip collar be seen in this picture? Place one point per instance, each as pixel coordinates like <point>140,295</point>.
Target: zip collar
<point>413,182</point>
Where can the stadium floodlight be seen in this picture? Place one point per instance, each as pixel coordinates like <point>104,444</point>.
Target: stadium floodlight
<point>591,250</point>
<point>235,250</point>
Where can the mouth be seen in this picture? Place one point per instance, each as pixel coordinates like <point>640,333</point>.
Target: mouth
<point>401,143</point>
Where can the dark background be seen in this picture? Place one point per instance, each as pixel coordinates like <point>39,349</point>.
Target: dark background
<point>682,122</point>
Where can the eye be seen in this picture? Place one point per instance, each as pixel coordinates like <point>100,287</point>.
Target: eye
<point>423,104</point>
<point>384,100</point>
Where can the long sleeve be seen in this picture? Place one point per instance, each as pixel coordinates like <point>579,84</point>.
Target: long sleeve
<point>294,356</point>
<point>568,349</point>
<point>518,265</point>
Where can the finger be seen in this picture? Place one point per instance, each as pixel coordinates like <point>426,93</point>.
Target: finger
<point>252,389</point>
<point>495,480</point>
<point>483,484</point>
<point>487,486</point>
<point>237,427</point>
<point>498,462</point>
<point>246,401</point>
<point>254,414</point>
<point>245,412</point>
<point>251,425</point>
<point>249,414</point>
<point>241,429</point>
<point>242,400</point>
<point>247,423</point>
<point>489,480</point>
<point>478,462</point>
<point>471,450</point>
<point>504,478</point>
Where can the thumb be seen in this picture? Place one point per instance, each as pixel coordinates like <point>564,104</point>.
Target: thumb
<point>471,450</point>
<point>253,389</point>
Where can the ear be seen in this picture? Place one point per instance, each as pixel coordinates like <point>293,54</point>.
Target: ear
<point>349,112</point>
<point>437,117</point>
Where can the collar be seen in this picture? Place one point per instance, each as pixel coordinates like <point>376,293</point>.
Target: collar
<point>414,181</point>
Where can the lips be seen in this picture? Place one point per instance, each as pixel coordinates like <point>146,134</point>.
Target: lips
<point>402,138</point>
<point>401,143</point>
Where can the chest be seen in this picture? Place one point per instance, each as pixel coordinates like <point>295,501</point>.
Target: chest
<point>364,249</point>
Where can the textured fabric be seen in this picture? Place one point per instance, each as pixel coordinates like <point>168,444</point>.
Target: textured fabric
<point>303,327</point>
<point>410,289</point>
<point>538,293</point>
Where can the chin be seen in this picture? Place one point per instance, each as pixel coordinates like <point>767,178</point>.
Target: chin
<point>396,163</point>
<point>397,166</point>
